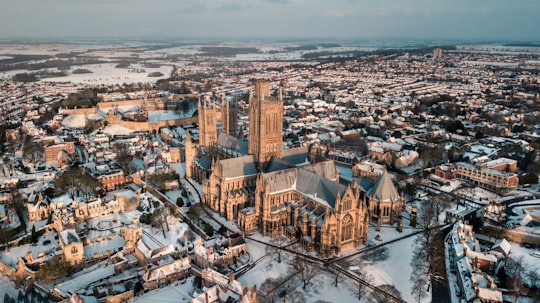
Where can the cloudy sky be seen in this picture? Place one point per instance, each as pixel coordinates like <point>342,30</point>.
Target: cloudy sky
<point>368,19</point>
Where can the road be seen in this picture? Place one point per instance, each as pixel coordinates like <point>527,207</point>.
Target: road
<point>440,292</point>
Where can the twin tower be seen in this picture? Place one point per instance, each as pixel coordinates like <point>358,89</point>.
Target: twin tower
<point>265,123</point>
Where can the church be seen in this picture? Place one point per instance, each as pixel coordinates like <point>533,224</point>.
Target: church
<point>277,191</point>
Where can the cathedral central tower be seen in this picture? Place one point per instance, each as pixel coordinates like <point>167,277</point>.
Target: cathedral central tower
<point>265,124</point>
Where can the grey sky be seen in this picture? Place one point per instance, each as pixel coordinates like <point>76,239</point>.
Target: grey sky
<point>431,19</point>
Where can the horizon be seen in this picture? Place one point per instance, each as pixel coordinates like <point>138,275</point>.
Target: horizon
<point>495,20</point>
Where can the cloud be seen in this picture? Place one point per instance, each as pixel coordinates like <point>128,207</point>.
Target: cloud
<point>230,7</point>
<point>278,1</point>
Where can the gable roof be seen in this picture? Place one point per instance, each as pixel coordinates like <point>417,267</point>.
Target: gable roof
<point>325,169</point>
<point>384,189</point>
<point>297,156</point>
<point>503,245</point>
<point>239,167</point>
<point>305,182</point>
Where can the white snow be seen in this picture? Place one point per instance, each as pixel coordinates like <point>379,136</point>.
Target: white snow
<point>106,73</point>
<point>117,130</point>
<point>85,278</point>
<point>75,121</point>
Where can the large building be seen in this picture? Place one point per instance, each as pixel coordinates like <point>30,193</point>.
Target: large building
<point>276,191</point>
<point>498,175</point>
<point>59,155</point>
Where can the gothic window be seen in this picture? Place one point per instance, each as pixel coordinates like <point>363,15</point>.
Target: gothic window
<point>74,250</point>
<point>347,228</point>
<point>347,204</point>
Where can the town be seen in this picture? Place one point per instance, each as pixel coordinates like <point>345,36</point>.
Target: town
<point>311,173</point>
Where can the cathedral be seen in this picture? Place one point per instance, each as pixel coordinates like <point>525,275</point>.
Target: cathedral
<point>277,191</point>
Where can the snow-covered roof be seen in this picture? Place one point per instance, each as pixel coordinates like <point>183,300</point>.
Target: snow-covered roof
<point>69,236</point>
<point>503,245</point>
<point>161,272</point>
<point>384,189</point>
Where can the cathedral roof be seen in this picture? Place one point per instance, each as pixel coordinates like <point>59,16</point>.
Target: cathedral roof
<point>296,156</point>
<point>306,182</point>
<point>326,169</point>
<point>276,164</point>
<point>205,161</point>
<point>239,167</point>
<point>318,187</point>
<point>229,142</point>
<point>384,190</point>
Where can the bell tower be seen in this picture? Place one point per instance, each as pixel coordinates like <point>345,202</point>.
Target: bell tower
<point>207,124</point>
<point>265,124</point>
<point>229,118</point>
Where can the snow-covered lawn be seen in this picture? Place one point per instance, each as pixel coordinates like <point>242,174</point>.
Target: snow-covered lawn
<point>75,121</point>
<point>47,244</point>
<point>117,130</point>
<point>477,194</point>
<point>85,278</point>
<point>396,269</point>
<point>106,73</point>
<point>176,292</point>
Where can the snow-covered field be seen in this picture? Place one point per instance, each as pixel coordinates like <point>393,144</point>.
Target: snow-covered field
<point>176,292</point>
<point>106,73</point>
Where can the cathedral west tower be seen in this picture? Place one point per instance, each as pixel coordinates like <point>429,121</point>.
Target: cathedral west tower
<point>207,124</point>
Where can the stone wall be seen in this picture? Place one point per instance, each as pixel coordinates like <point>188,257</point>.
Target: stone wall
<point>511,235</point>
<point>85,111</point>
<point>150,126</point>
<point>7,270</point>
<point>123,297</point>
<point>107,105</point>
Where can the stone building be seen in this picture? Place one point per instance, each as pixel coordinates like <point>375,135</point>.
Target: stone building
<point>279,191</point>
<point>384,202</point>
<point>220,289</point>
<point>207,124</point>
<point>265,124</point>
<point>59,155</point>
<point>229,119</point>
<point>72,246</point>
<point>497,175</point>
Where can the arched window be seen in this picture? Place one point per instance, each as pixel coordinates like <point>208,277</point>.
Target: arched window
<point>74,250</point>
<point>347,228</point>
<point>347,204</point>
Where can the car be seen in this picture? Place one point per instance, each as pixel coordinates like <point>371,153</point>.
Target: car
<point>536,254</point>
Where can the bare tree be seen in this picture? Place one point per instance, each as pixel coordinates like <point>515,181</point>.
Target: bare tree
<point>32,151</point>
<point>533,275</point>
<point>195,212</point>
<point>306,271</point>
<point>389,289</point>
<point>427,214</point>
<point>364,276</point>
<point>515,267</point>
<point>278,243</point>
<point>123,154</point>
<point>440,203</point>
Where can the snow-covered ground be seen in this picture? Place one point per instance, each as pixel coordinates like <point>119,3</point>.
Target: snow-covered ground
<point>107,73</point>
<point>85,278</point>
<point>75,121</point>
<point>7,287</point>
<point>117,130</point>
<point>176,292</point>
<point>47,244</point>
